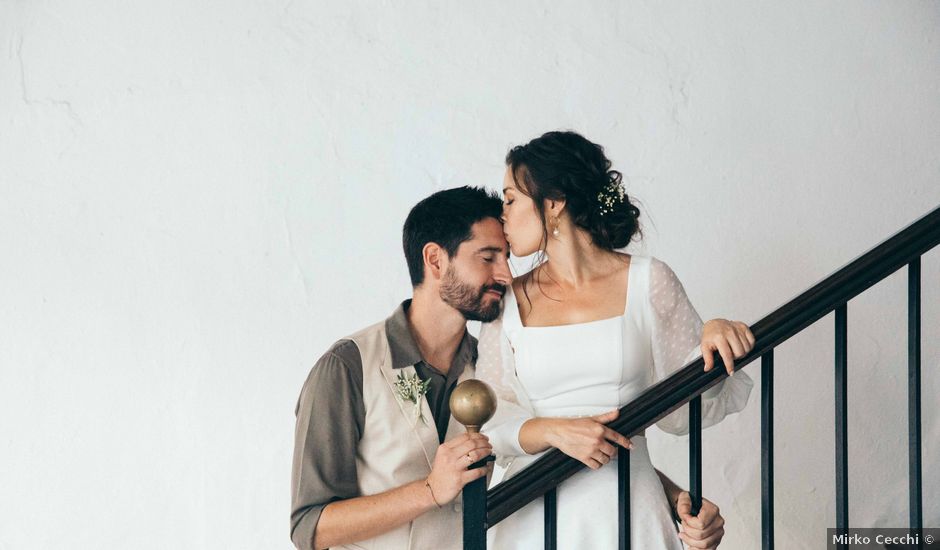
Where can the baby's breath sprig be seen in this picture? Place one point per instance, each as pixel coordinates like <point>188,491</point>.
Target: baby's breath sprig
<point>612,194</point>
<point>412,389</point>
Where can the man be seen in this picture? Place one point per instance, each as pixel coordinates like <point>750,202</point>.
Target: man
<point>378,461</point>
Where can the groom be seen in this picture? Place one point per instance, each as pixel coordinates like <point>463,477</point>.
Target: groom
<point>378,460</point>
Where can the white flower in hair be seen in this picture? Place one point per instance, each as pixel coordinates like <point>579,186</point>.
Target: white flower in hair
<point>612,194</point>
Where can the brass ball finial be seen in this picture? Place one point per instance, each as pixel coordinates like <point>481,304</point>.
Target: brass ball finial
<point>472,404</point>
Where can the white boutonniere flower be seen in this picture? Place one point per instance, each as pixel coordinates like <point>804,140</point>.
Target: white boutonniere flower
<point>411,388</point>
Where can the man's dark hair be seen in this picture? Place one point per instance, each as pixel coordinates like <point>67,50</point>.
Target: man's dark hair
<point>445,218</point>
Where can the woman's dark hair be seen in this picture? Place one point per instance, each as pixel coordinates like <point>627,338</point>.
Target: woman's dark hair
<point>445,218</point>
<point>565,165</point>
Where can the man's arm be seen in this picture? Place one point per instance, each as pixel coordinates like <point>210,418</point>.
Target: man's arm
<point>326,507</point>
<point>366,517</point>
<point>702,531</point>
<point>330,419</point>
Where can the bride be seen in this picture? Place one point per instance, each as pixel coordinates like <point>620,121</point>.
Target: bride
<point>585,332</point>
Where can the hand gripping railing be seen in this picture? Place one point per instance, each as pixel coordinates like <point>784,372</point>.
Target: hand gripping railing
<point>483,509</point>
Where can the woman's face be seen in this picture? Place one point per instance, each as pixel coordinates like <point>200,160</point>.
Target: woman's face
<point>521,221</point>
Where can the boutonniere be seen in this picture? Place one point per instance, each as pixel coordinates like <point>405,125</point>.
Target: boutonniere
<point>411,388</point>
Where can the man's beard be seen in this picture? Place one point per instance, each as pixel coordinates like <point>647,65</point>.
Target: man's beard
<point>468,300</point>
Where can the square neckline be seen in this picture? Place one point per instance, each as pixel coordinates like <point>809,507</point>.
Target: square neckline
<point>626,306</point>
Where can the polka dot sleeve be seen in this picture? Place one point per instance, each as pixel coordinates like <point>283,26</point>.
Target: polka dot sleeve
<point>676,341</point>
<point>496,367</point>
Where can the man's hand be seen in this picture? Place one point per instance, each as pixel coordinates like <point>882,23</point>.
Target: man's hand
<point>704,530</point>
<point>360,518</point>
<point>449,472</point>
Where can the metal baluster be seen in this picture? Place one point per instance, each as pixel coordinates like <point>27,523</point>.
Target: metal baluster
<point>550,502</point>
<point>767,449</point>
<point>841,421</point>
<point>913,397</point>
<point>695,453</point>
<point>623,486</point>
<point>474,510</point>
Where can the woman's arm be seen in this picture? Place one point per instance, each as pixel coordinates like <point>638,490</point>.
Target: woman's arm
<point>702,531</point>
<point>586,439</point>
<point>678,336</point>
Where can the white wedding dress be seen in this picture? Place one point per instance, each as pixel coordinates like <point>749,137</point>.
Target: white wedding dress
<point>589,368</point>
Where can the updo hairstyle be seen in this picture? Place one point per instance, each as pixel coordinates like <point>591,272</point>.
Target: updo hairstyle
<point>566,166</point>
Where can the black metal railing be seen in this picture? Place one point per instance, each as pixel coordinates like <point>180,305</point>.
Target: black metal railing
<point>483,509</point>
<point>767,448</point>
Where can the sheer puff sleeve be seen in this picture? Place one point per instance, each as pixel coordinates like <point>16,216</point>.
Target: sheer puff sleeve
<point>496,367</point>
<point>676,341</point>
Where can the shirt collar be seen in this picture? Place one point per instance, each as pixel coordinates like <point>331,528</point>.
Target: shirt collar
<point>404,349</point>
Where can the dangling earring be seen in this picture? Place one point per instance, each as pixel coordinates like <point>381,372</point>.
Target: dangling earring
<point>555,231</point>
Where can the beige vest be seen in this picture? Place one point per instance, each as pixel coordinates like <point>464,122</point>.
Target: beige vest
<point>395,449</point>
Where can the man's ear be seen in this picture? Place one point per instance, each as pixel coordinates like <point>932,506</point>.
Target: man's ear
<point>435,261</point>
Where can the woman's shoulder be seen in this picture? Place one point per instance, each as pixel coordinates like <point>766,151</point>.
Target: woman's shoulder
<point>665,289</point>
<point>659,270</point>
<point>652,276</point>
<point>640,266</point>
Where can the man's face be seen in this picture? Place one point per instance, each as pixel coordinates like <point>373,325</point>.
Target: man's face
<point>477,275</point>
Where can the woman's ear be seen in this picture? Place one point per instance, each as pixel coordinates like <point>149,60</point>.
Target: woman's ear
<point>554,207</point>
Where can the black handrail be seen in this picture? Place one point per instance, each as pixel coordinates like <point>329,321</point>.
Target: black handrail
<point>673,392</point>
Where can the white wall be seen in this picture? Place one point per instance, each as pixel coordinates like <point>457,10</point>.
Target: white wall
<point>196,199</point>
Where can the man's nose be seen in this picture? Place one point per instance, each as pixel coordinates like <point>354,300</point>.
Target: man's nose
<point>501,273</point>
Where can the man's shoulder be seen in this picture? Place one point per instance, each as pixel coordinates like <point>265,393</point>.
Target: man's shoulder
<point>341,363</point>
<point>346,351</point>
<point>337,372</point>
<point>364,335</point>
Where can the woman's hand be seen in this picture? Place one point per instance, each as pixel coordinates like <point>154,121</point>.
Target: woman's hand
<point>586,439</point>
<point>704,530</point>
<point>731,339</point>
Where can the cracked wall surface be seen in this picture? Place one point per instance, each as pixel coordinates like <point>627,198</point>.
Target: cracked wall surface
<point>197,199</point>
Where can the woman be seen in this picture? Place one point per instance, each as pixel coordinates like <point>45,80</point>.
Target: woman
<point>585,332</point>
